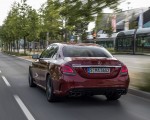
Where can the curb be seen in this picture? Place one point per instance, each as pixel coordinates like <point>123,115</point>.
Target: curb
<point>139,93</point>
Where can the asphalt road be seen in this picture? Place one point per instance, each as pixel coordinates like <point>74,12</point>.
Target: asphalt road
<point>20,102</point>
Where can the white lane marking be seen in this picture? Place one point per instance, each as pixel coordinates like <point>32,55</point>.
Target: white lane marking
<point>0,71</point>
<point>6,81</point>
<point>24,108</point>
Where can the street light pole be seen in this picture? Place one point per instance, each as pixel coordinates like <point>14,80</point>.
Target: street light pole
<point>126,25</point>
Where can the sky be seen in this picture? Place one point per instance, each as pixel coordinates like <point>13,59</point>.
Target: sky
<point>5,6</point>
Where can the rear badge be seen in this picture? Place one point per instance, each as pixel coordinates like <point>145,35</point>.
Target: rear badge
<point>99,62</point>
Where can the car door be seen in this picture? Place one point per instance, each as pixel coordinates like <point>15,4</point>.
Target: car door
<point>47,62</point>
<point>43,63</point>
<point>35,71</point>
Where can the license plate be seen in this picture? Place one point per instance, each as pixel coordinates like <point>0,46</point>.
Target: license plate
<point>98,70</point>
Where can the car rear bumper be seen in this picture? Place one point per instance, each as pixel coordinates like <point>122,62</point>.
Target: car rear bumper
<point>96,91</point>
<point>73,86</point>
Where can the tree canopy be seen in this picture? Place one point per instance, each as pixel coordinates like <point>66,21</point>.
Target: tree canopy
<point>54,19</point>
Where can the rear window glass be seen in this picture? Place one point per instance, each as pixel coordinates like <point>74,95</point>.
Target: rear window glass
<point>85,51</point>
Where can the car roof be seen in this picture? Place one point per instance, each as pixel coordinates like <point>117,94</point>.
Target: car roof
<point>77,44</point>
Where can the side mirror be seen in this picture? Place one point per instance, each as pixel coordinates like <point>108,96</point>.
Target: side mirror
<point>35,56</point>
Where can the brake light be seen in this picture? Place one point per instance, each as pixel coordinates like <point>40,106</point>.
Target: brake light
<point>66,69</point>
<point>124,69</point>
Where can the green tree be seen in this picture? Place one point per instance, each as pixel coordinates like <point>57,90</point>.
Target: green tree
<point>24,10</point>
<point>8,33</point>
<point>54,18</point>
<point>79,13</point>
<point>34,25</point>
<point>133,23</point>
<point>103,22</point>
<point>50,19</point>
<point>14,24</point>
<point>21,22</point>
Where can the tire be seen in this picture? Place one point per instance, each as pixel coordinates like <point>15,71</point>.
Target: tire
<point>113,97</point>
<point>50,91</point>
<point>30,79</point>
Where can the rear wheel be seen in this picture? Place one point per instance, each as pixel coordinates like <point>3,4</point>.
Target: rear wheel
<point>113,96</point>
<point>50,91</point>
<point>30,79</point>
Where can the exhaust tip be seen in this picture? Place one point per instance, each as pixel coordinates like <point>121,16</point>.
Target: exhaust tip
<point>75,94</point>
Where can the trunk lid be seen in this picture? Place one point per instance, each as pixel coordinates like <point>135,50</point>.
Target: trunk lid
<point>96,68</point>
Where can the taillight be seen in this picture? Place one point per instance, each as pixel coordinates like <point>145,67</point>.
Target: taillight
<point>66,69</point>
<point>124,69</point>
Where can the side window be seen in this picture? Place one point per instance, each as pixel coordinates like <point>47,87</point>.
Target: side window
<point>50,52</point>
<point>45,53</point>
<point>54,52</point>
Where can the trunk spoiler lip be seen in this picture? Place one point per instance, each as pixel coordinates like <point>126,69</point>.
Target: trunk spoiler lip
<point>87,66</point>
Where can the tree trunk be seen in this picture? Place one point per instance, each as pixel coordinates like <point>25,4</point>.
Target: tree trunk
<point>24,45</point>
<point>17,47</point>
<point>9,47</point>
<point>13,45</point>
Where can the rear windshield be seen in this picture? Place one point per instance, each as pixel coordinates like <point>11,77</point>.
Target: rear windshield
<point>85,51</point>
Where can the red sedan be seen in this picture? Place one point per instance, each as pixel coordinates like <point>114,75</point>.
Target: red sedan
<point>78,70</point>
